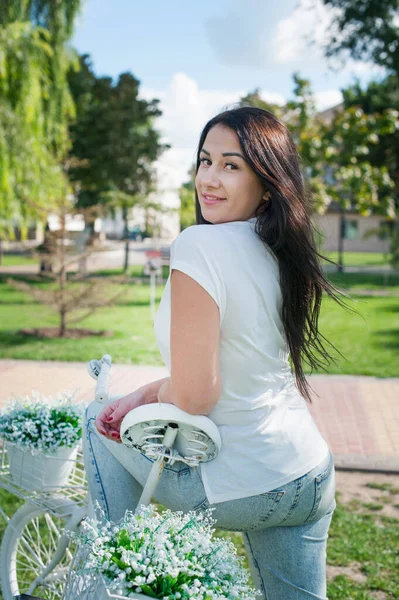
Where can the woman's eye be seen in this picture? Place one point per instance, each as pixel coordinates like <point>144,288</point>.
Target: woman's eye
<point>202,160</point>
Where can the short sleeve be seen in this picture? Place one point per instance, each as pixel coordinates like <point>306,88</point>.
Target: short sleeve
<point>195,253</point>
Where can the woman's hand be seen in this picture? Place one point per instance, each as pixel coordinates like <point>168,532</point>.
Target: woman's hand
<point>109,420</point>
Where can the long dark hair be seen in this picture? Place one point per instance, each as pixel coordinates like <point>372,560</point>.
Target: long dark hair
<point>284,224</point>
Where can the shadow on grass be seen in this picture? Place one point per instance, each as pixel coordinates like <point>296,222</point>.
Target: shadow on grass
<point>18,302</point>
<point>364,279</point>
<point>13,338</point>
<point>136,302</point>
<point>390,308</point>
<point>33,279</point>
<point>387,338</point>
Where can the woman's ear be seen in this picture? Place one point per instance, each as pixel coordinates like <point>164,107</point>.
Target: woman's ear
<point>266,195</point>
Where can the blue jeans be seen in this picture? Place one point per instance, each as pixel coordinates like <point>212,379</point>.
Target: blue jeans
<point>285,530</point>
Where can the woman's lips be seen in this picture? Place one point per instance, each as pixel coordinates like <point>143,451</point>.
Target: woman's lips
<point>211,202</point>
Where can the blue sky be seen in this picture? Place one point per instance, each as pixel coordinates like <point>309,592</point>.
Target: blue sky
<point>215,43</point>
<point>198,57</point>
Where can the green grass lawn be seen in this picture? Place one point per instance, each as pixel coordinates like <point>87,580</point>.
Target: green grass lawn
<point>350,259</point>
<point>369,340</point>
<point>359,259</point>
<point>358,534</point>
<point>11,260</point>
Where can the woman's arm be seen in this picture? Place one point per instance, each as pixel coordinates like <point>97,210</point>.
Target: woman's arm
<point>150,391</point>
<point>195,382</point>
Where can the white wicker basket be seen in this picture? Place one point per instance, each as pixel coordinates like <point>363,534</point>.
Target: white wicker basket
<point>40,472</point>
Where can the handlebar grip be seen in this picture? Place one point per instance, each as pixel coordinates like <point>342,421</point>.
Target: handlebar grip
<point>102,386</point>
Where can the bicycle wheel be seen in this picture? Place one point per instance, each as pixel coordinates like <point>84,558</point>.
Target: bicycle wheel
<point>29,543</point>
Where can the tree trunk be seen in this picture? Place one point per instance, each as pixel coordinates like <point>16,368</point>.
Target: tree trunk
<point>126,237</point>
<point>62,323</point>
<point>341,240</point>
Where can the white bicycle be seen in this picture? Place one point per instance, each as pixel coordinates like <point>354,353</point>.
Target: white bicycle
<point>36,554</point>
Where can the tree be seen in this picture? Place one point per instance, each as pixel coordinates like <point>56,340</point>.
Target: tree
<point>35,105</point>
<point>75,298</point>
<point>89,132</point>
<point>115,142</point>
<point>254,99</point>
<point>353,181</point>
<point>133,145</point>
<point>299,115</point>
<point>336,155</point>
<point>377,97</point>
<point>367,30</point>
<point>187,201</point>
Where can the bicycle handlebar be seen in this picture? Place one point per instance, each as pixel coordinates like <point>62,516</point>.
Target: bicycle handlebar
<point>100,370</point>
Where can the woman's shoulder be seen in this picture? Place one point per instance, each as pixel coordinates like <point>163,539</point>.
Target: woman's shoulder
<point>209,234</point>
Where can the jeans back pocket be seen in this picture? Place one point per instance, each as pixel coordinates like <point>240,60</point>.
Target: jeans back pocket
<point>324,492</point>
<point>245,514</point>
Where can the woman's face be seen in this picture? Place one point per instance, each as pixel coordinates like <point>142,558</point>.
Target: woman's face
<point>224,173</point>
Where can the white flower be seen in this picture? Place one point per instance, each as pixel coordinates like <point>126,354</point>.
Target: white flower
<point>147,548</point>
<point>38,423</point>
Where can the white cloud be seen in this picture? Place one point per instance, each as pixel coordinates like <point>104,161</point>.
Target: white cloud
<point>299,41</point>
<point>300,36</point>
<point>249,35</point>
<point>327,99</point>
<point>186,108</point>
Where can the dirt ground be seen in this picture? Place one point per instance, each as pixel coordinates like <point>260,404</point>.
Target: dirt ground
<point>352,485</point>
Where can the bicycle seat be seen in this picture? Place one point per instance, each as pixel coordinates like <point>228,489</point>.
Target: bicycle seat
<point>198,439</point>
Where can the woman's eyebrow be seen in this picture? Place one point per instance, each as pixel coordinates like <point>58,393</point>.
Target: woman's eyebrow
<point>225,153</point>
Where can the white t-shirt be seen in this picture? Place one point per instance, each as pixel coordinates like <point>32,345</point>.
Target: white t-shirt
<point>268,434</point>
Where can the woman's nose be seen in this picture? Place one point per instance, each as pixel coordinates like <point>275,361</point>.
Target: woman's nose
<point>210,177</point>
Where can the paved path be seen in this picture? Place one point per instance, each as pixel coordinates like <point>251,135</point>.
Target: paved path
<point>357,416</point>
<point>111,256</point>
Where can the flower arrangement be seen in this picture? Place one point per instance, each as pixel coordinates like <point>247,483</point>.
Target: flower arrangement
<point>42,424</point>
<point>165,555</point>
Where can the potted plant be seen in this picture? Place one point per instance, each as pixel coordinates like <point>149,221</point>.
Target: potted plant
<point>149,554</point>
<point>41,436</point>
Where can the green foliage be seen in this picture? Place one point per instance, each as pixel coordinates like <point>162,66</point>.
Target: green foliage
<point>187,205</point>
<point>367,30</point>
<point>378,97</point>
<point>254,99</point>
<point>114,147</point>
<point>344,151</point>
<point>335,153</point>
<point>31,178</point>
<point>114,142</point>
<point>35,106</point>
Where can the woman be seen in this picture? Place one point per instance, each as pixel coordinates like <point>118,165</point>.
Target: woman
<point>244,294</point>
